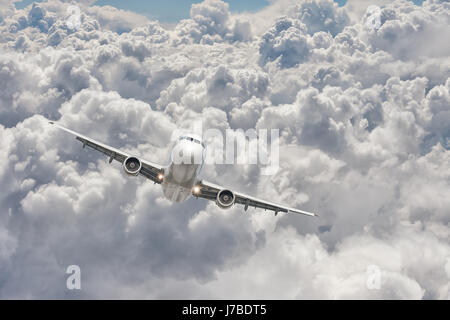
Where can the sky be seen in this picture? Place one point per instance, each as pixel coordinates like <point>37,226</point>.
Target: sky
<point>175,10</point>
<point>363,116</point>
<point>168,11</point>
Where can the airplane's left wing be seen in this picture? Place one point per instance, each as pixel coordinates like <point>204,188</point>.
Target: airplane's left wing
<point>149,169</point>
<point>208,190</point>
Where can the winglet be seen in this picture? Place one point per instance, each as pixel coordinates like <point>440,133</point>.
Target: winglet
<point>51,122</point>
<point>316,215</point>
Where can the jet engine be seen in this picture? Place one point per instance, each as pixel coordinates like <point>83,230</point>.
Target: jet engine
<point>132,166</point>
<point>225,199</point>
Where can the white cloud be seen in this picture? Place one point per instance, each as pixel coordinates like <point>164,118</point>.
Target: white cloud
<point>363,117</point>
<point>357,8</point>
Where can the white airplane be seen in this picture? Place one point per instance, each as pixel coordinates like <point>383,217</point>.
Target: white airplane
<point>180,180</point>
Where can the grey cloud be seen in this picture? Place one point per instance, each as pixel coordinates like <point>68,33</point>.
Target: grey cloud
<point>286,40</point>
<point>322,15</point>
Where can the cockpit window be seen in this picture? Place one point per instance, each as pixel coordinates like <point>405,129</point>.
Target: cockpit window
<point>191,139</point>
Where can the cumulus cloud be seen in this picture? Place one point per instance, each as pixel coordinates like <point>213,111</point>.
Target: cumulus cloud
<point>404,25</point>
<point>364,126</point>
<point>286,40</point>
<point>357,8</point>
<point>211,22</point>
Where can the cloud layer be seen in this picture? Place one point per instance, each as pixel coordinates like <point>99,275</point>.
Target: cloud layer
<point>364,119</point>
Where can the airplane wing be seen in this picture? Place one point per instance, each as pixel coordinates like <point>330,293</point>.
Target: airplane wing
<point>208,190</point>
<point>149,169</point>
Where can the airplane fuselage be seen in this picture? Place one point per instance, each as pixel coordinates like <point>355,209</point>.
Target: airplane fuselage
<point>187,159</point>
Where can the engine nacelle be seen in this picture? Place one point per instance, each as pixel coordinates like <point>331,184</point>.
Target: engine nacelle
<point>132,166</point>
<point>225,199</point>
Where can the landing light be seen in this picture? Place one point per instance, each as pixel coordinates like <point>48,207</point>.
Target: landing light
<point>196,190</point>
<point>160,176</point>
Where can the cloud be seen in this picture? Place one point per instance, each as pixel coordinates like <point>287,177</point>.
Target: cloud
<point>287,40</point>
<point>116,20</point>
<point>403,25</point>
<point>357,8</point>
<point>305,256</point>
<point>211,22</point>
<point>321,15</point>
<point>364,140</point>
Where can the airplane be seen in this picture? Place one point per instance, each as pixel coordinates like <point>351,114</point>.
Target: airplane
<point>179,180</point>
